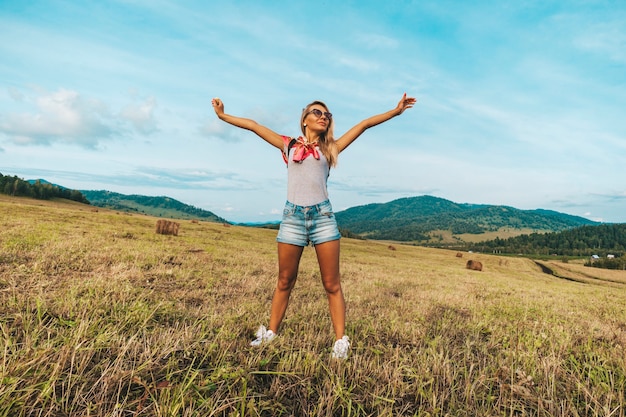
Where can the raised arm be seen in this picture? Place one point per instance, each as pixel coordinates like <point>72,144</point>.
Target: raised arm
<point>263,132</point>
<point>350,136</point>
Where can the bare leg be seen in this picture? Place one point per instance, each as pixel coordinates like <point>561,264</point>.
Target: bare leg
<point>328,259</point>
<point>288,262</point>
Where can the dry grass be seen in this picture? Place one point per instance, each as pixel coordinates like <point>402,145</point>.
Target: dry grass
<point>577,270</point>
<point>446,236</point>
<point>101,316</point>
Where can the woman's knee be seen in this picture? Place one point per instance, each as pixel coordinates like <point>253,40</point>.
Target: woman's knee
<point>286,281</point>
<point>332,286</point>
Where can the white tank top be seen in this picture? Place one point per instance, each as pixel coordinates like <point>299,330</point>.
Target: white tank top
<point>307,180</point>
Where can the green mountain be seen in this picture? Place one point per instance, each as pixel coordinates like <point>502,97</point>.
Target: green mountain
<point>414,218</point>
<point>153,206</point>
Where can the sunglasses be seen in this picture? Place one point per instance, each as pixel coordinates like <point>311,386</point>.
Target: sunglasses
<point>318,113</point>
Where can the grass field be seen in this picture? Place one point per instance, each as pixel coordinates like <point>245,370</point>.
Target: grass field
<point>101,316</point>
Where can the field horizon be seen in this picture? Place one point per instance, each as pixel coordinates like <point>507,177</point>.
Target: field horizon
<point>102,316</point>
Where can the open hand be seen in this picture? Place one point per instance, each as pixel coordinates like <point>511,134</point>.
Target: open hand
<point>405,103</point>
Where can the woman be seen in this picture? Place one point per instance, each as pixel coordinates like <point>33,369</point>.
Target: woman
<point>308,216</point>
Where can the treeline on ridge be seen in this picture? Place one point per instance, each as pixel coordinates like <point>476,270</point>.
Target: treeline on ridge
<point>14,186</point>
<point>476,222</point>
<point>159,206</point>
<point>600,240</point>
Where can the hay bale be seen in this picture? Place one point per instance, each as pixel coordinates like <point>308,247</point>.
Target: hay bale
<point>166,227</point>
<point>474,265</point>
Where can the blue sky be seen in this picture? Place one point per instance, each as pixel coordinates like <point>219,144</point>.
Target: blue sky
<point>520,103</point>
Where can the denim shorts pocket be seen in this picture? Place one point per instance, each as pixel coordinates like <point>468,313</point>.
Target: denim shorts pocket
<point>289,209</point>
<point>326,209</point>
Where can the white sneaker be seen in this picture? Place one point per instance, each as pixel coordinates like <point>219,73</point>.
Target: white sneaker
<point>263,336</point>
<point>341,347</point>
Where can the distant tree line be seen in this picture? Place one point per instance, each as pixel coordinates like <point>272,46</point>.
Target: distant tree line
<point>608,263</point>
<point>154,206</point>
<point>600,240</point>
<point>167,203</point>
<point>18,187</point>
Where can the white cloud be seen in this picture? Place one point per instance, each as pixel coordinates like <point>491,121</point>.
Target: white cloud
<point>141,115</point>
<point>69,117</point>
<point>15,94</point>
<point>377,41</point>
<point>215,128</point>
<point>357,63</point>
<point>61,116</point>
<point>606,38</point>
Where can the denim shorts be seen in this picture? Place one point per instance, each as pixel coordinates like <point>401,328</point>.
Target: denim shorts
<point>311,224</point>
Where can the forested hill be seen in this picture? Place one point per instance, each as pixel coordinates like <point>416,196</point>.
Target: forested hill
<point>417,218</point>
<point>39,189</point>
<point>599,240</point>
<point>153,206</point>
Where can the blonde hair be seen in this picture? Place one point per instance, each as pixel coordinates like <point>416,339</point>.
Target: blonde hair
<point>327,141</point>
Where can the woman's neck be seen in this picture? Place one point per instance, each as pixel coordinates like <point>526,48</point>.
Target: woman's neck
<point>311,137</point>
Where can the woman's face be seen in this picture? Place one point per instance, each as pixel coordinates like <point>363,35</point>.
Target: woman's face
<point>318,118</point>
